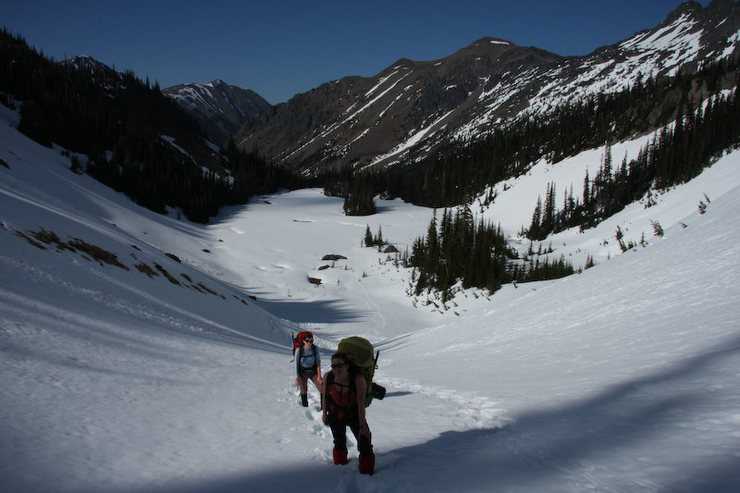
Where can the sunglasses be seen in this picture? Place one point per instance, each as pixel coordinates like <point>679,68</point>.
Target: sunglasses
<point>307,340</point>
<point>338,365</point>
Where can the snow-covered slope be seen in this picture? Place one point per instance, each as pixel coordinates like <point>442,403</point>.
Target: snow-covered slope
<point>622,378</point>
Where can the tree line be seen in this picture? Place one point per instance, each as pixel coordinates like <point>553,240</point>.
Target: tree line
<point>459,171</point>
<point>122,124</point>
<point>675,155</point>
<point>460,249</point>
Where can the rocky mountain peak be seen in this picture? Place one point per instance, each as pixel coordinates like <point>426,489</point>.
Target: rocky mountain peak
<point>88,64</point>
<point>220,109</point>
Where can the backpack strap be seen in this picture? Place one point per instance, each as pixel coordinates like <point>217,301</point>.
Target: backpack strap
<point>333,407</point>
<point>314,350</point>
<point>298,367</point>
<point>329,380</point>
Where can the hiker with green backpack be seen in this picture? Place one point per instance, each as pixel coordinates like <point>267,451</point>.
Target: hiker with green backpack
<point>342,408</point>
<point>348,390</point>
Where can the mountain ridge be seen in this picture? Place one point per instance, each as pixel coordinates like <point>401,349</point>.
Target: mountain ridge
<point>220,108</point>
<point>374,121</point>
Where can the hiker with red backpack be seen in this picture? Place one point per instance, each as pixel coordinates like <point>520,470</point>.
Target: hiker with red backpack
<point>344,405</point>
<point>308,365</point>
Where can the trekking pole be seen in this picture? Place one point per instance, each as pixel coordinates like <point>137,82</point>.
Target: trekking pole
<point>378,391</point>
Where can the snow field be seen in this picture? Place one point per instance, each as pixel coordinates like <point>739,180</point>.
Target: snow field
<point>622,378</point>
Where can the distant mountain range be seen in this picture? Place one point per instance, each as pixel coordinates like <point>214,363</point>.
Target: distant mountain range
<point>219,108</point>
<point>375,121</point>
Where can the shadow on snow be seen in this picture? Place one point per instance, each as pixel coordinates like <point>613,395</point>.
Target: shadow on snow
<point>550,450</point>
<point>328,312</point>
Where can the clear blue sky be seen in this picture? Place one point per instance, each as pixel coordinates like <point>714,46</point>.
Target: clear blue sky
<point>280,48</point>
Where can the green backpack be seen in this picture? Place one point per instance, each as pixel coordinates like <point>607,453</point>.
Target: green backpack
<point>359,352</point>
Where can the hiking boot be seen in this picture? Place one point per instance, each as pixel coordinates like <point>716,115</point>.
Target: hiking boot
<point>367,464</point>
<point>304,400</point>
<point>340,457</point>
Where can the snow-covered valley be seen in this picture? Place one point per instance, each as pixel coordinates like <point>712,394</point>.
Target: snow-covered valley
<point>170,370</point>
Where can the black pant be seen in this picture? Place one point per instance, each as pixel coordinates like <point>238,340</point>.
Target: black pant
<point>339,432</point>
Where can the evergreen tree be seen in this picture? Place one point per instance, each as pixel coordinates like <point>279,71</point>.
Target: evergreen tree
<point>535,228</point>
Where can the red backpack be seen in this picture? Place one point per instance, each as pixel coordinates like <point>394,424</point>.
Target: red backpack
<point>298,340</point>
